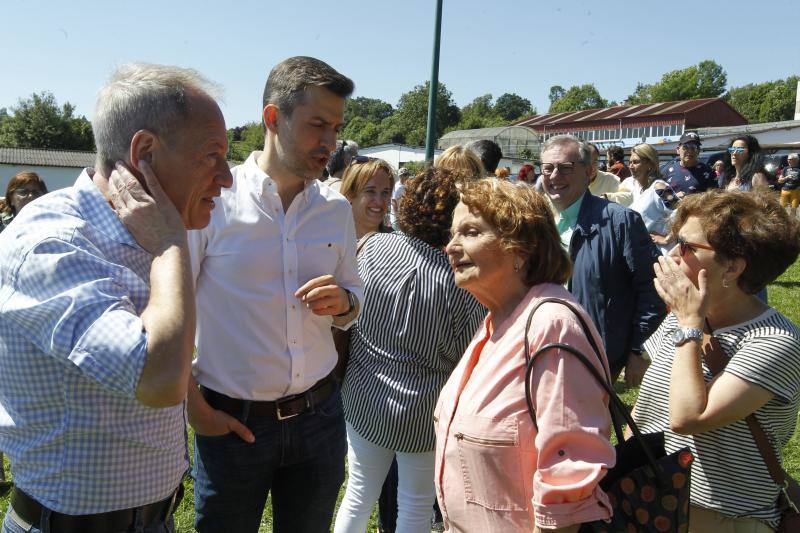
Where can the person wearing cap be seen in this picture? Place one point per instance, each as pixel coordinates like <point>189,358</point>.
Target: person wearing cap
<point>790,184</point>
<point>687,174</point>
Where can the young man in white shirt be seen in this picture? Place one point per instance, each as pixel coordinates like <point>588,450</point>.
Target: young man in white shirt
<point>273,271</point>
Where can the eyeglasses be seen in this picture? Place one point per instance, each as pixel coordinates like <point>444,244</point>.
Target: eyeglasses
<point>736,150</point>
<point>692,147</point>
<point>360,159</point>
<point>684,246</point>
<point>565,169</point>
<point>27,192</point>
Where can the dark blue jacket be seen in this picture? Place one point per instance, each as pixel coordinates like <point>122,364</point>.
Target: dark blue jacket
<point>612,276</point>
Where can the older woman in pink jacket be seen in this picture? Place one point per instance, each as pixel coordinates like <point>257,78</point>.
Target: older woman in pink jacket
<point>495,471</point>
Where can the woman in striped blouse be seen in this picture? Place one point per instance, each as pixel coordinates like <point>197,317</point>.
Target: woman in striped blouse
<point>414,326</point>
<point>730,245</point>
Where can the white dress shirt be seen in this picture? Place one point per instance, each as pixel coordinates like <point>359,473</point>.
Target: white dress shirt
<point>255,339</point>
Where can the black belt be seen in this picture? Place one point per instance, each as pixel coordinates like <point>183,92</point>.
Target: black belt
<point>30,511</point>
<point>282,409</point>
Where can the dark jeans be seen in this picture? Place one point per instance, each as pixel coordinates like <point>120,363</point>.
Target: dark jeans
<point>10,525</point>
<point>301,460</point>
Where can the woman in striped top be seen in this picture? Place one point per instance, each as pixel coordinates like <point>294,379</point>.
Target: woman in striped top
<point>412,331</point>
<point>730,245</point>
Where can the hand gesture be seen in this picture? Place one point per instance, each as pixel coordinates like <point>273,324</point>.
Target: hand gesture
<point>323,296</point>
<point>151,218</point>
<point>687,302</point>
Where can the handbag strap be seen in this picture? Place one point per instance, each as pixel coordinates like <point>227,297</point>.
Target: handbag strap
<point>618,409</point>
<point>716,360</point>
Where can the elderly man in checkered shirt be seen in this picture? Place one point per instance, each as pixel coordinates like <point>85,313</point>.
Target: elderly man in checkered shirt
<point>97,313</point>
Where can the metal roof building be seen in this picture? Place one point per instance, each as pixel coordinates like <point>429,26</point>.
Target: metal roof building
<point>628,125</point>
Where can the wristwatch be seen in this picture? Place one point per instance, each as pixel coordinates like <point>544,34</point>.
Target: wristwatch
<point>683,335</point>
<point>352,300</point>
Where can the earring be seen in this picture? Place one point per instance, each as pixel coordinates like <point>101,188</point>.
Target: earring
<point>726,284</point>
<point>516,265</point>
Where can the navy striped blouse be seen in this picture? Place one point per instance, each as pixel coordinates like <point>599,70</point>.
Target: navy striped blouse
<point>413,329</point>
<point>729,474</point>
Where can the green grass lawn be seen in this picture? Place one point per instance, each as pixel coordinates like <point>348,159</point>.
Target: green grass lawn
<point>783,295</point>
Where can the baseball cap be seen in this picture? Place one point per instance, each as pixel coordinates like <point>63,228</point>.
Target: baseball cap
<point>689,137</point>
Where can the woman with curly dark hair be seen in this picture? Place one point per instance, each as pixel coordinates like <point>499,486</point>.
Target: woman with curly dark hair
<point>743,165</point>
<point>414,326</point>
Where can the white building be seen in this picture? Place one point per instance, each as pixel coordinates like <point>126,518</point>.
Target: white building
<point>58,168</point>
<point>397,154</point>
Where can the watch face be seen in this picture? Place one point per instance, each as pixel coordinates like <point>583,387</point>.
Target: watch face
<point>678,336</point>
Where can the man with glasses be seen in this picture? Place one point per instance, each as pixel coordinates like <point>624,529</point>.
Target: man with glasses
<point>687,174</point>
<point>612,256</point>
<point>275,268</point>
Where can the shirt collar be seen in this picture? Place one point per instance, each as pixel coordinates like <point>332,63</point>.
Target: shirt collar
<point>262,183</point>
<point>570,214</point>
<point>98,211</point>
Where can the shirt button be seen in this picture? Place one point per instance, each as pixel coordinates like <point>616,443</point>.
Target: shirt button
<point>292,306</point>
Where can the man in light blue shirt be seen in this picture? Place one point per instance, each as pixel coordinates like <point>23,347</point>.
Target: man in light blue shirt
<point>97,313</point>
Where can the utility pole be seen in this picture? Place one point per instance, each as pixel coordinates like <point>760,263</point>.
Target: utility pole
<point>430,135</point>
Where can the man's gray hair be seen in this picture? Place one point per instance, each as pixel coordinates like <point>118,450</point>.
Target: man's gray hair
<point>584,148</point>
<point>142,96</point>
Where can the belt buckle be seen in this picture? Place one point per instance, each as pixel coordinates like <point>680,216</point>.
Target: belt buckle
<point>287,417</point>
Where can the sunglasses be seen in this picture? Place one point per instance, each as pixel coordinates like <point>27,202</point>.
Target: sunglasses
<point>360,159</point>
<point>692,147</point>
<point>736,150</point>
<point>684,246</point>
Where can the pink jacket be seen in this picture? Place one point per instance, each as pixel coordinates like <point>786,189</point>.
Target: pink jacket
<point>494,470</point>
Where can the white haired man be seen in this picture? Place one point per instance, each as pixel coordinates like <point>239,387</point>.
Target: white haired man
<point>97,313</point>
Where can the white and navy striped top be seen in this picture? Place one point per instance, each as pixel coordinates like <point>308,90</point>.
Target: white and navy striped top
<point>413,329</point>
<point>728,474</point>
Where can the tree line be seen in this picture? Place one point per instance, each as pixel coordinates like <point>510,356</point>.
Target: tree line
<point>39,122</point>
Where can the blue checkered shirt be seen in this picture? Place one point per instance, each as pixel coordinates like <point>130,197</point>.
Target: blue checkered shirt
<point>73,283</point>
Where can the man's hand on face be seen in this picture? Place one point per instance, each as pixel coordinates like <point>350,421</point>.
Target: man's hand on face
<point>323,296</point>
<point>151,218</point>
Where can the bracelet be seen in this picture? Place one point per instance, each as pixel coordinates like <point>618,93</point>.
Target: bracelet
<point>352,300</point>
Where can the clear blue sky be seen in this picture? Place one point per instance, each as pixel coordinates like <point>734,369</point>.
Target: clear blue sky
<point>70,47</point>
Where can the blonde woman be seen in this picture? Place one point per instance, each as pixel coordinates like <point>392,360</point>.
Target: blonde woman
<point>460,159</point>
<point>643,164</point>
<point>368,183</point>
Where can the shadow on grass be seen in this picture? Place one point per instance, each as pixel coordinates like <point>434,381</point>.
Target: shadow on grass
<point>786,284</point>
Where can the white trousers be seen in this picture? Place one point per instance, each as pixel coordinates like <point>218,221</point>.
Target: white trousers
<point>368,465</point>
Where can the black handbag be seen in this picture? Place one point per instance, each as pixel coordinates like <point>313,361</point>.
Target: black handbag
<point>648,489</point>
